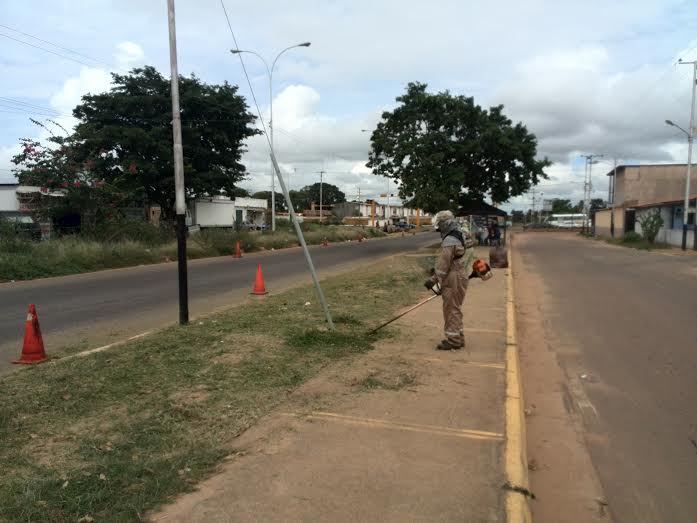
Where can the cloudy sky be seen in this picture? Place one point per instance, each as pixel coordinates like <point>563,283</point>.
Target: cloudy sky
<point>586,76</point>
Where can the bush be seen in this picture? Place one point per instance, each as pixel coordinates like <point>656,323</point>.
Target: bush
<point>651,223</point>
<point>631,237</point>
<point>132,230</point>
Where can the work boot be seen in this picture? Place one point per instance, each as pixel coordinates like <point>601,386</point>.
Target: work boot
<point>449,345</point>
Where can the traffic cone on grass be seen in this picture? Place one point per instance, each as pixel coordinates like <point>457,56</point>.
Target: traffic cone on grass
<point>33,347</point>
<point>238,251</point>
<point>259,287</point>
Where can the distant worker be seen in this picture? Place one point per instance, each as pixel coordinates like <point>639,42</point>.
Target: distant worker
<point>450,273</point>
<point>495,234</point>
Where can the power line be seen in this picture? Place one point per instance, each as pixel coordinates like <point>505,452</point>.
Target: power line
<point>19,102</point>
<point>48,51</point>
<point>55,45</point>
<point>244,69</point>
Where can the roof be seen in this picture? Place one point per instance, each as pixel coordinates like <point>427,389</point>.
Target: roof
<point>480,208</point>
<point>611,172</point>
<point>693,199</point>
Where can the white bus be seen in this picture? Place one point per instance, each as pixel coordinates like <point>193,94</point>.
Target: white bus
<point>567,221</point>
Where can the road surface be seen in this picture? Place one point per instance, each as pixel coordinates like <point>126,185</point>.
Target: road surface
<point>623,327</point>
<point>100,307</point>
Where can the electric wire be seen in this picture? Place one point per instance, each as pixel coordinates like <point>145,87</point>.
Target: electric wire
<point>49,51</point>
<point>72,51</point>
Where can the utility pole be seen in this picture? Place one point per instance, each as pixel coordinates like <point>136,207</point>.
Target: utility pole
<point>690,140</point>
<point>388,216</point>
<point>180,204</point>
<point>588,186</point>
<point>321,182</point>
<point>532,214</point>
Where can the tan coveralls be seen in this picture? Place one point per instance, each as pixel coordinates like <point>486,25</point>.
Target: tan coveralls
<point>450,273</point>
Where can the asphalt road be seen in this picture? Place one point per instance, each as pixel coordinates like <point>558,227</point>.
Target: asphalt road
<point>97,308</point>
<point>625,325</point>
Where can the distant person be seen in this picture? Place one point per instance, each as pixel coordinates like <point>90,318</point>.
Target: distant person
<point>450,273</point>
<point>495,234</point>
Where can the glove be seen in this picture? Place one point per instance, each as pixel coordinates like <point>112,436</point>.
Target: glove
<point>429,284</point>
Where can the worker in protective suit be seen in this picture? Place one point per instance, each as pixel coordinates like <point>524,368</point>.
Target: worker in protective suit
<point>450,274</point>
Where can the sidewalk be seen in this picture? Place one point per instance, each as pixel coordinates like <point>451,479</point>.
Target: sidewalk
<point>404,433</point>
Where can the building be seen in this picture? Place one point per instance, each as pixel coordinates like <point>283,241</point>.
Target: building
<point>382,210</point>
<point>9,204</point>
<point>639,189</point>
<point>222,211</point>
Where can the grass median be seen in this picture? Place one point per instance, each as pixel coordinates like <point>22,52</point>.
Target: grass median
<point>142,244</point>
<point>115,434</point>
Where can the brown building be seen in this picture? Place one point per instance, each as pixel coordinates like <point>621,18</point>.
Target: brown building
<point>636,189</point>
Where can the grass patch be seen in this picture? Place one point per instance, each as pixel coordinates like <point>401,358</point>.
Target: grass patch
<point>378,381</point>
<point>118,433</point>
<point>638,243</point>
<point>27,260</point>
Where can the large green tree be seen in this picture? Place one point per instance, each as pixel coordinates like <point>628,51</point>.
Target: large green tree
<point>444,150</point>
<point>331,194</point>
<point>561,206</point>
<point>124,137</point>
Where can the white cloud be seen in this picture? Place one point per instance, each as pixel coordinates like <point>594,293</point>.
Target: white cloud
<point>128,54</point>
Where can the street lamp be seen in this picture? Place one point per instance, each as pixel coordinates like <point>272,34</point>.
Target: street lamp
<point>687,183</point>
<point>269,71</point>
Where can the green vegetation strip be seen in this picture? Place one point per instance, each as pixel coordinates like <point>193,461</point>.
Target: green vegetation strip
<point>140,244</point>
<point>116,434</point>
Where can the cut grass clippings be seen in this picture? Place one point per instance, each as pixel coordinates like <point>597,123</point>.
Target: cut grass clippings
<point>113,435</point>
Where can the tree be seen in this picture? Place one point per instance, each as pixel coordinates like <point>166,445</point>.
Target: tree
<point>239,192</point>
<point>124,137</point>
<point>330,194</point>
<point>280,200</point>
<point>299,199</point>
<point>444,150</point>
<point>560,206</point>
<point>651,223</point>
<point>518,216</point>
<point>51,168</point>
<point>597,203</point>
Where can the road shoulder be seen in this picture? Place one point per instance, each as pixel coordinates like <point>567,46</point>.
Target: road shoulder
<point>561,472</point>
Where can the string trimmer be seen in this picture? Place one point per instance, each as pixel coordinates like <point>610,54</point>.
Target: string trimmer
<point>436,293</point>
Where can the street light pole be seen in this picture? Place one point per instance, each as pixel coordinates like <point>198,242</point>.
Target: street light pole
<point>690,139</point>
<point>180,204</point>
<point>269,71</point>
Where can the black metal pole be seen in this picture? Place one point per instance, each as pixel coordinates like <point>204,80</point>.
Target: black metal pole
<point>183,280</point>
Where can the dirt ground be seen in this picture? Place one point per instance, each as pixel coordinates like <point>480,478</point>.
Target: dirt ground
<point>403,433</point>
<point>562,475</point>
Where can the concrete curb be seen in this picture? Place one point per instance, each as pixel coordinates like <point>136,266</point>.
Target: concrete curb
<point>517,492</point>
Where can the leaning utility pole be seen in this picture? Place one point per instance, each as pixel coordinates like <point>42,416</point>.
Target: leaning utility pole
<point>180,204</point>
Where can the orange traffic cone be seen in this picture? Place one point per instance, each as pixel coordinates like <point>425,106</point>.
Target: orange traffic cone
<point>238,251</point>
<point>325,243</point>
<point>259,287</point>
<point>33,347</point>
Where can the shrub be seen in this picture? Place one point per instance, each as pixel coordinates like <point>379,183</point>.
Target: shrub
<point>651,223</point>
<point>631,237</point>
